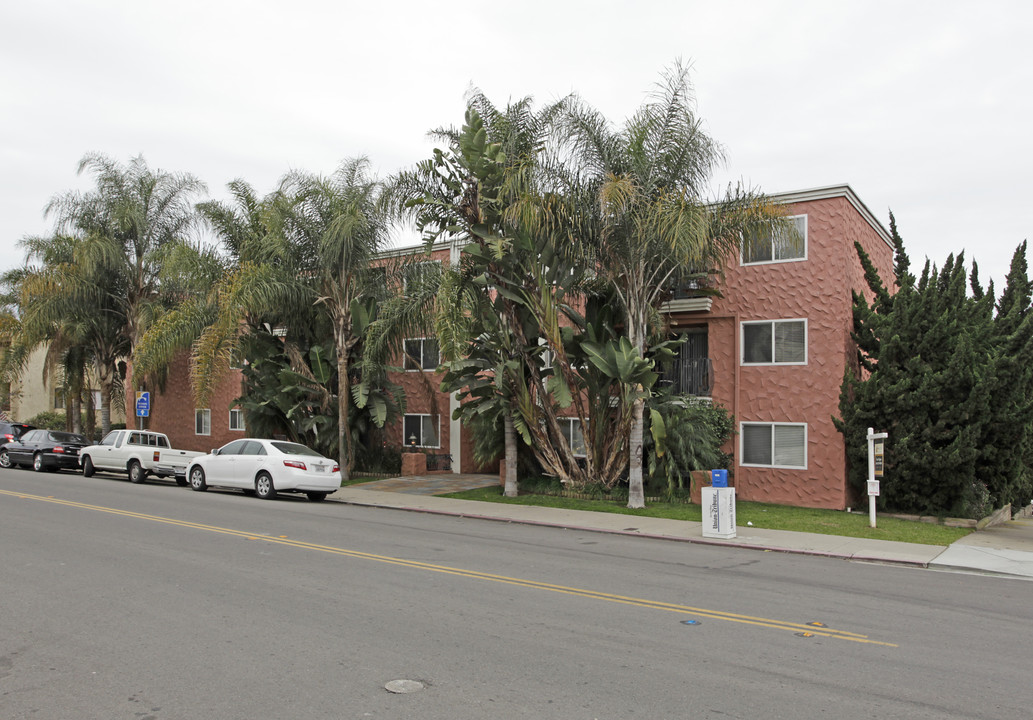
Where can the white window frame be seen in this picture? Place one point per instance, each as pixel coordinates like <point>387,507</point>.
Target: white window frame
<point>202,420</point>
<point>774,341</point>
<point>422,360</point>
<point>774,449</point>
<point>774,260</point>
<point>239,415</point>
<point>420,440</point>
<point>567,428</point>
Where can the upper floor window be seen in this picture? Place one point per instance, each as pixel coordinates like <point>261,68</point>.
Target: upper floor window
<point>421,354</point>
<point>418,273</point>
<point>774,342</point>
<point>236,419</point>
<point>771,244</point>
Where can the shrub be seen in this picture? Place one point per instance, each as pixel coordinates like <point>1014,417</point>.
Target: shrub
<point>48,420</point>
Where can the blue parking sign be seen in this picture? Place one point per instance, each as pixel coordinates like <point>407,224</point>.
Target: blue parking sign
<point>143,404</point>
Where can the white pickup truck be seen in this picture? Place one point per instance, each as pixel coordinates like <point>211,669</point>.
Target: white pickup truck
<point>139,453</point>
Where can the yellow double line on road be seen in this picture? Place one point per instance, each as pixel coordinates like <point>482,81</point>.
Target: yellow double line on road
<point>807,629</point>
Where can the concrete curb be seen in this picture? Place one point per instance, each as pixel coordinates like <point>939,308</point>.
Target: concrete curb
<point>652,536</point>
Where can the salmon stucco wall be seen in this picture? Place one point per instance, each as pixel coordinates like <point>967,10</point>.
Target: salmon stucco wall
<point>818,290</point>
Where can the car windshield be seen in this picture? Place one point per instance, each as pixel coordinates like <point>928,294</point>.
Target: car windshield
<point>67,437</point>
<point>289,448</point>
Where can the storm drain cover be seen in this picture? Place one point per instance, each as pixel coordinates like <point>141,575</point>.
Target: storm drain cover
<point>403,686</point>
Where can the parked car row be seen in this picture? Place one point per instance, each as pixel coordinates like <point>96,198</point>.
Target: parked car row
<point>43,450</point>
<point>259,467</point>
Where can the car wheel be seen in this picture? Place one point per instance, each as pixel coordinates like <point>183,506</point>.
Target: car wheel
<point>5,459</point>
<point>87,467</point>
<point>136,473</point>
<point>264,488</point>
<point>37,462</point>
<point>316,496</point>
<point>197,479</point>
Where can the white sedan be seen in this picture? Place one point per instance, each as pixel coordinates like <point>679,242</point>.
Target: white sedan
<point>265,467</point>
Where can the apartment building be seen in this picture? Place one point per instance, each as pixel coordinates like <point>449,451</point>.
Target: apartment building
<point>772,349</point>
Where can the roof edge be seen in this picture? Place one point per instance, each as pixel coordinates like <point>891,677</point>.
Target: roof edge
<point>835,191</point>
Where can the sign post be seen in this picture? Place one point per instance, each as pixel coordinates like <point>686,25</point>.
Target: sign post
<point>143,406</point>
<point>876,447</point>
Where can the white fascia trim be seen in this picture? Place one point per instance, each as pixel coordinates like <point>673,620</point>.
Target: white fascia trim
<point>835,191</point>
<point>415,250</point>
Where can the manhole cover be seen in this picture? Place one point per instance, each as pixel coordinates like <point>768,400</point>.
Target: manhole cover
<point>403,686</point>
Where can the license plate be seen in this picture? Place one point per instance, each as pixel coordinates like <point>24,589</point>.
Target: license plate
<point>319,468</point>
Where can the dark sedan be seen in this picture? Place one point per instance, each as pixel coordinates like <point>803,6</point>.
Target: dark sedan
<point>44,450</point>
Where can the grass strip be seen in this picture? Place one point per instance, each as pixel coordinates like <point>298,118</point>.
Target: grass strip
<point>762,515</point>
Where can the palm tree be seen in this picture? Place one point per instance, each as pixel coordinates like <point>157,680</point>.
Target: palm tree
<point>652,222</point>
<point>134,226</point>
<point>487,335</point>
<point>336,227</point>
<point>65,306</point>
<point>225,295</point>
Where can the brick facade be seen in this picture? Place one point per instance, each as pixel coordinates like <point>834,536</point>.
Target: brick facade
<point>815,289</point>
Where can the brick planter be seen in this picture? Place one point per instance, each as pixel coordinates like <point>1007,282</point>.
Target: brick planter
<point>414,464</point>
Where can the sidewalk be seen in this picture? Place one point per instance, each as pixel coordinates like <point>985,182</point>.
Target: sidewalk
<point>1003,550</point>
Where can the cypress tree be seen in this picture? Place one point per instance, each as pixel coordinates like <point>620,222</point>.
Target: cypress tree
<point>950,382</point>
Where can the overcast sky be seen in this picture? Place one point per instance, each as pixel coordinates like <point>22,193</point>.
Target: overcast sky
<point>924,108</point>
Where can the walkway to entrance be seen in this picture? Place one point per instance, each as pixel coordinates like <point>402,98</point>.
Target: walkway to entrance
<point>431,484</point>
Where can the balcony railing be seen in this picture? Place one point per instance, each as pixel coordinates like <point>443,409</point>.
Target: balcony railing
<point>690,377</point>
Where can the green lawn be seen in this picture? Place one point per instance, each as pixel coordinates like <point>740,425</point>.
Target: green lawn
<point>762,515</point>
<point>359,479</point>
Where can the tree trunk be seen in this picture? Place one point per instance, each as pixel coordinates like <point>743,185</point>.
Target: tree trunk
<point>637,335</point>
<point>106,382</point>
<point>130,389</point>
<point>511,457</point>
<point>75,412</point>
<point>636,495</point>
<point>343,402</point>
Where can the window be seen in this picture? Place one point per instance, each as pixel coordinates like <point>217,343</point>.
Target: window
<point>420,273</point>
<point>236,419</point>
<point>774,444</point>
<point>767,245</point>
<point>202,421</point>
<point>420,431</point>
<point>774,342</point>
<point>254,448</point>
<point>421,354</point>
<point>234,448</point>
<point>571,429</point>
<point>148,439</point>
<point>59,398</point>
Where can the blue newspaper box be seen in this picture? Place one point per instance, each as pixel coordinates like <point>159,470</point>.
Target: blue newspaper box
<point>719,478</point>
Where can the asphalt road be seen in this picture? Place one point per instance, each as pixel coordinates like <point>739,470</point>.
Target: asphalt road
<point>152,601</point>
